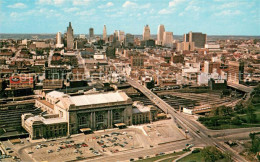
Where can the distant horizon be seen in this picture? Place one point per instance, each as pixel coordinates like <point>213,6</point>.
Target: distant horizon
<point>132,34</point>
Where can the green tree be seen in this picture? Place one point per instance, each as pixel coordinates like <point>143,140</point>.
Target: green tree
<point>211,154</point>
<point>250,113</point>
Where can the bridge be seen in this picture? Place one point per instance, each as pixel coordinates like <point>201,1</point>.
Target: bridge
<point>240,87</point>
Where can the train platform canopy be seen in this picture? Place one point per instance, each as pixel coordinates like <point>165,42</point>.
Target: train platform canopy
<point>85,130</point>
<point>120,125</point>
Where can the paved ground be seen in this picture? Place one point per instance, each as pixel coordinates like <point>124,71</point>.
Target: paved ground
<point>103,144</point>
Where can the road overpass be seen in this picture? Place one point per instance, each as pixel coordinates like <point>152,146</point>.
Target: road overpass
<point>240,87</point>
<point>186,123</point>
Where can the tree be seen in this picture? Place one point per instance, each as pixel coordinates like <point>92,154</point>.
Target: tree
<point>236,121</point>
<point>251,116</point>
<point>239,108</point>
<point>211,154</point>
<point>255,143</point>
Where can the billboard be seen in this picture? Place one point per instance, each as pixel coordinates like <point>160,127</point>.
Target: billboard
<point>21,81</point>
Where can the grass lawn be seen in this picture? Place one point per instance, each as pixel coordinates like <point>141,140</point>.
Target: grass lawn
<point>170,156</point>
<point>194,157</point>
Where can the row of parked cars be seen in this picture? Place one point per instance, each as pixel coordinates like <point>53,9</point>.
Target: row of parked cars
<point>166,88</point>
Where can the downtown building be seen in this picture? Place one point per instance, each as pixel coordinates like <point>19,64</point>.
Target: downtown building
<point>167,39</point>
<point>199,39</point>
<point>129,40</point>
<point>70,37</point>
<point>105,33</point>
<point>91,33</point>
<point>160,33</point>
<point>146,33</point>
<point>59,41</point>
<point>235,72</point>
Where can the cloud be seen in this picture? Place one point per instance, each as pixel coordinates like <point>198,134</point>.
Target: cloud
<point>86,13</point>
<point>81,2</point>
<point>17,5</point>
<point>129,4</point>
<point>109,4</point>
<point>50,2</point>
<point>192,8</point>
<point>14,14</point>
<point>174,3</point>
<point>165,11</point>
<point>71,9</point>
<point>228,13</point>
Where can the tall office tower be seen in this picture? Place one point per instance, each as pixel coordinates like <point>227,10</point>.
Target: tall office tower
<point>58,38</point>
<point>167,39</point>
<point>70,37</point>
<point>91,32</point>
<point>199,39</point>
<point>121,36</point>
<point>59,43</point>
<point>160,32</point>
<point>104,33</point>
<point>235,72</point>
<point>129,40</point>
<point>146,32</point>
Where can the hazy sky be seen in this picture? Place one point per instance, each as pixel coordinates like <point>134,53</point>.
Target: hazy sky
<point>214,17</point>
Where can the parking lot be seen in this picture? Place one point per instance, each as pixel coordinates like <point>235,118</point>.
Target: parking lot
<point>99,143</point>
<point>85,146</point>
<point>164,131</point>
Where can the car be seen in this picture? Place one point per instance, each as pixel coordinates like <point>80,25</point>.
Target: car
<point>30,152</point>
<point>132,160</point>
<point>76,151</point>
<point>140,157</point>
<point>91,148</point>
<point>151,145</point>
<point>11,151</point>
<point>8,148</point>
<point>50,151</point>
<point>51,144</point>
<point>162,153</point>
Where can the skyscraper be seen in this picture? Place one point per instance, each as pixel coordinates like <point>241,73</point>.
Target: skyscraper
<point>199,39</point>
<point>121,36</point>
<point>104,33</point>
<point>129,40</point>
<point>91,32</point>
<point>59,43</point>
<point>160,32</point>
<point>146,33</point>
<point>167,39</point>
<point>235,72</point>
<point>70,37</point>
<point>58,38</point>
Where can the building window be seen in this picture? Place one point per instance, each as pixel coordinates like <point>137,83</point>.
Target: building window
<point>117,116</point>
<point>83,120</point>
<point>100,118</point>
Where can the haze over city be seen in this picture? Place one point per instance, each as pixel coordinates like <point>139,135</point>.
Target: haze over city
<point>214,17</point>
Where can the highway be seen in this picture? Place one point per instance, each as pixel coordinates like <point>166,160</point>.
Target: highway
<point>186,123</point>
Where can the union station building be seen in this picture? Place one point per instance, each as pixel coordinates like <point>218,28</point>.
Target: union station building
<point>65,115</point>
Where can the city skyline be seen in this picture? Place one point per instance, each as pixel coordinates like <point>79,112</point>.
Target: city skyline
<point>178,16</point>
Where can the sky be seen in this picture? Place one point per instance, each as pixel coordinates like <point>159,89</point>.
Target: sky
<point>213,17</point>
